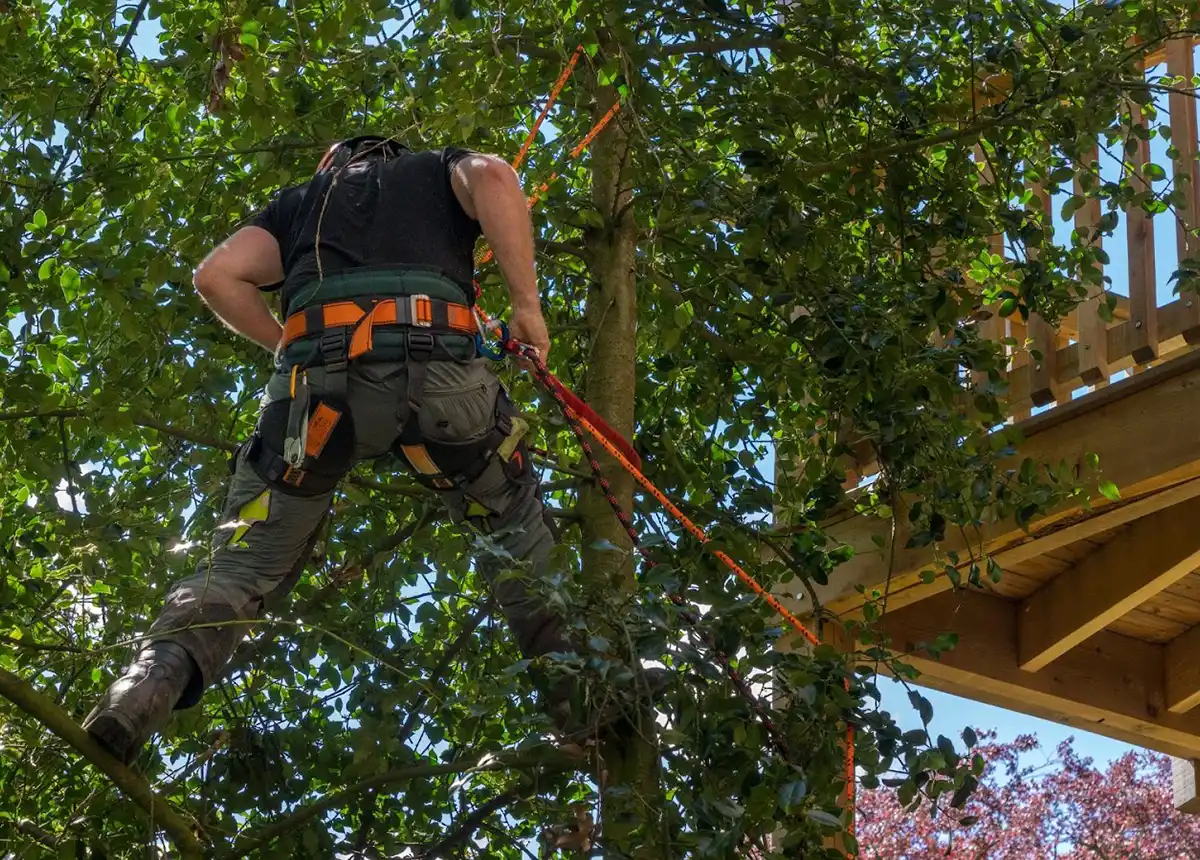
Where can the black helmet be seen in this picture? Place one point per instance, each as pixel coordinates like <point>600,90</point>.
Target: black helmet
<point>345,151</point>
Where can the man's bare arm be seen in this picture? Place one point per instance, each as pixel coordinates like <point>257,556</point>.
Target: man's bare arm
<point>229,278</point>
<point>490,192</point>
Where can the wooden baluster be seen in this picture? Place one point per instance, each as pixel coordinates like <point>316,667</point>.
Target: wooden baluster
<point>992,328</point>
<point>1185,169</point>
<point>1143,304</point>
<point>1043,369</point>
<point>1093,330</point>
<point>1018,331</point>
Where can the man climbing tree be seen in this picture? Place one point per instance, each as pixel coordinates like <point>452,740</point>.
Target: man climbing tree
<point>374,258</point>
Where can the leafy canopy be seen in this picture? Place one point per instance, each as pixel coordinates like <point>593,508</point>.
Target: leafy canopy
<point>812,155</point>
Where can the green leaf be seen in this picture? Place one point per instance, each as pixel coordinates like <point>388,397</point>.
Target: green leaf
<point>39,219</point>
<point>517,668</point>
<point>67,368</point>
<point>46,269</point>
<point>792,793</point>
<point>250,40</point>
<point>1109,490</point>
<point>824,818</point>
<point>69,280</point>
<point>1072,205</point>
<point>922,706</point>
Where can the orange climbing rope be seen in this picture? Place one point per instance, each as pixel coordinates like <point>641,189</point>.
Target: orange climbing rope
<point>554,91</point>
<point>618,447</point>
<point>486,255</point>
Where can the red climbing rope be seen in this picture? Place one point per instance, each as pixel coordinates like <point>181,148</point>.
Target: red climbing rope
<point>578,425</point>
<point>584,421</point>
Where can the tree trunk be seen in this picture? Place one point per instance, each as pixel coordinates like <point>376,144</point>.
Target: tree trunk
<point>609,385</point>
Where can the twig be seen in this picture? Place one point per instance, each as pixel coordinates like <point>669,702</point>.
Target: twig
<point>36,705</point>
<point>472,822</point>
<point>265,835</point>
<point>37,834</point>
<point>67,466</point>
<point>29,645</point>
<point>222,738</point>
<point>551,246</point>
<point>121,49</point>
<point>151,423</point>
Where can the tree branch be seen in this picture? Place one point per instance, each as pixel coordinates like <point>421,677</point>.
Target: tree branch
<point>151,423</point>
<point>675,298</point>
<point>265,835</point>
<point>36,705</point>
<point>530,46</point>
<point>462,831</point>
<point>551,246</point>
<point>776,45</point>
<point>121,49</point>
<point>917,144</point>
<point>30,645</point>
<point>447,658</point>
<point>37,834</point>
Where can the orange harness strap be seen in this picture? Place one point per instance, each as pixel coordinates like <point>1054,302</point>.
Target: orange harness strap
<point>419,311</point>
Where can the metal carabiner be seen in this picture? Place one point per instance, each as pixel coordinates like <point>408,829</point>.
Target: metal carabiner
<point>497,354</point>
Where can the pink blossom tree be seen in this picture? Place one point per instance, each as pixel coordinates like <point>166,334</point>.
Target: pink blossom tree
<point>1058,808</point>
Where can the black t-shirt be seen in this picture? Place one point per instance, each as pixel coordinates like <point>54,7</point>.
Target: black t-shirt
<point>375,213</point>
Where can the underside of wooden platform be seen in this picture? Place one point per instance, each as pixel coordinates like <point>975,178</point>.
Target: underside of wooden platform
<point>1096,619</point>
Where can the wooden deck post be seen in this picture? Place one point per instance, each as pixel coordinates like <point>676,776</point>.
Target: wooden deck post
<point>1093,331</point>
<point>1183,785</point>
<point>1043,367</point>
<point>1185,168</point>
<point>1143,303</point>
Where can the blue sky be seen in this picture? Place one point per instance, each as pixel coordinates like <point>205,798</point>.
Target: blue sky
<point>951,713</point>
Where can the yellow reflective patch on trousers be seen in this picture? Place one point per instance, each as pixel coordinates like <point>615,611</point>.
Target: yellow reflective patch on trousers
<point>254,511</point>
<point>519,428</point>
<point>474,509</point>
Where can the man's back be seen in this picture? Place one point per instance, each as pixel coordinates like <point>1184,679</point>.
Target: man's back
<point>375,213</point>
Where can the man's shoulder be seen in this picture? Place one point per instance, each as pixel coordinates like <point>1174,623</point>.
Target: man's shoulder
<point>449,155</point>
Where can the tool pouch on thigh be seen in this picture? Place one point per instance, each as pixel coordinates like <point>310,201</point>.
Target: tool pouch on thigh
<point>303,445</point>
<point>447,465</point>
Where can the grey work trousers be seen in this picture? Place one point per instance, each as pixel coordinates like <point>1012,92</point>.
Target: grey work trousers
<point>266,536</point>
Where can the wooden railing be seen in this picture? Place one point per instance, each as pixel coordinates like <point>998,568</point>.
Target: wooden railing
<point>1084,352</point>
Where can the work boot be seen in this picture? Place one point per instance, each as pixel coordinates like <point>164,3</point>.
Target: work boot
<point>140,701</point>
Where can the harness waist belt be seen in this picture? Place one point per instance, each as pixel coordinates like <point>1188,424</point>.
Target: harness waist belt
<point>419,311</point>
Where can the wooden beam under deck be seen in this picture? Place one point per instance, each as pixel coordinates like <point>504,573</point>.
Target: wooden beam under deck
<point>1152,469</point>
<point>1111,685</point>
<point>1182,672</point>
<point>1154,553</point>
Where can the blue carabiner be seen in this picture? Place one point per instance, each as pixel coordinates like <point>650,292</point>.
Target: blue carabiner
<point>497,354</point>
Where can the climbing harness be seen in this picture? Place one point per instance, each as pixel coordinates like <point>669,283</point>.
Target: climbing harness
<point>585,422</point>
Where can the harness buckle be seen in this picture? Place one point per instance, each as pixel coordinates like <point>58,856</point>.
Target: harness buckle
<point>420,345</point>
<point>335,347</point>
<point>420,310</point>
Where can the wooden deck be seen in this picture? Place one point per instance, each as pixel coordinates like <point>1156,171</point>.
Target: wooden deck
<point>1096,619</point>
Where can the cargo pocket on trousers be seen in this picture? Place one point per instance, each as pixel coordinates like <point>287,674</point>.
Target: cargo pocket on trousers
<point>459,414</point>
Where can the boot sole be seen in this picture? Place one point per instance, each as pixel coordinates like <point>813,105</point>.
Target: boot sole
<point>112,733</point>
